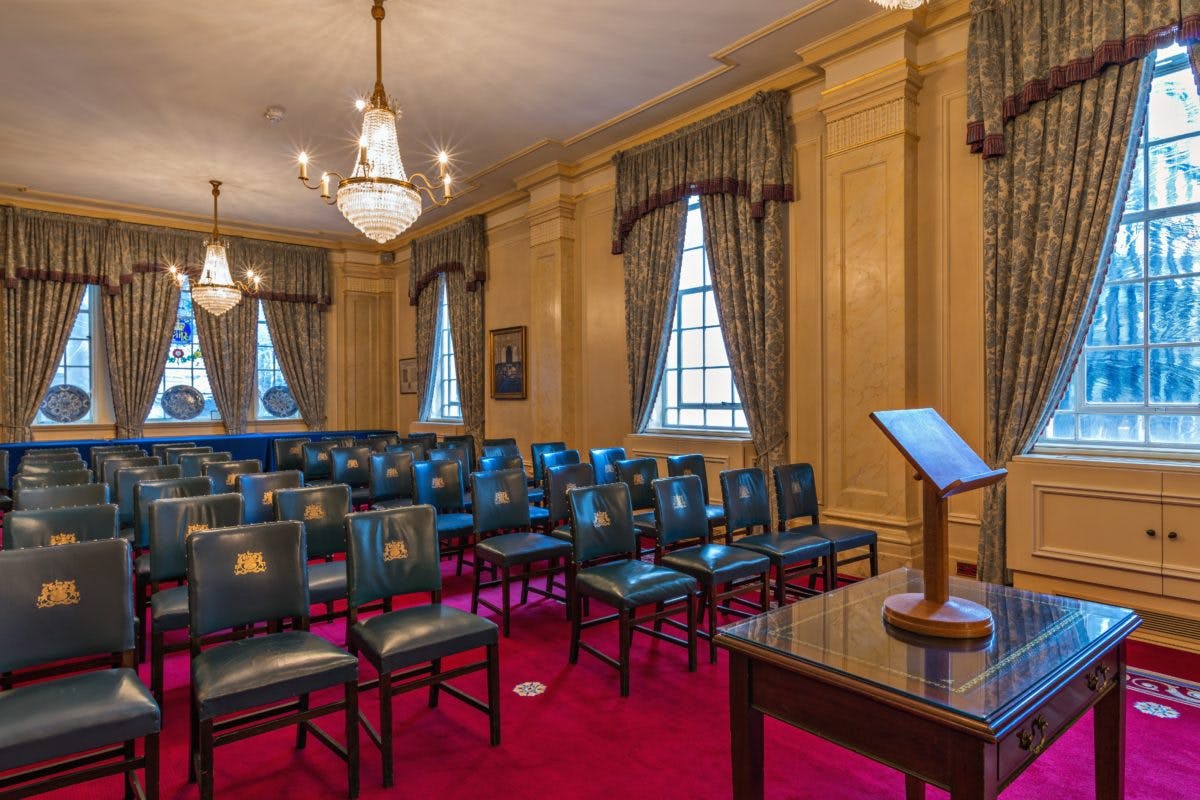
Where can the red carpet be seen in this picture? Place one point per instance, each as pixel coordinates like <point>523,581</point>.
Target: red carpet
<point>579,739</point>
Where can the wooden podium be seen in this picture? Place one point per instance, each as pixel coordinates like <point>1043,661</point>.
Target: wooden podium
<point>946,466</point>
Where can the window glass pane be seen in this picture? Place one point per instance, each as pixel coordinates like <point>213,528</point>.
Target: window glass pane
<point>1174,310</point>
<point>691,417</point>
<point>719,419</point>
<point>185,373</point>
<point>691,348</point>
<point>691,310</point>
<point>1117,428</point>
<point>1137,184</point>
<point>74,368</point>
<point>443,392</point>
<point>1127,261</point>
<point>1175,429</point>
<point>694,233</point>
<point>715,354</point>
<point>691,273</point>
<point>718,386</point>
<point>1174,374</point>
<point>1062,426</point>
<point>1115,376</point>
<point>1174,173</point>
<point>1173,109</point>
<point>692,387</point>
<point>1174,244</point>
<point>1119,315</point>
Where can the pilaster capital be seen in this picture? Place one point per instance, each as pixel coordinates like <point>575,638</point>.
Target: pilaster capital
<point>871,107</point>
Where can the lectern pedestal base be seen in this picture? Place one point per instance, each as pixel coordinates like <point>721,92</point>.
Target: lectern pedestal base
<point>954,619</point>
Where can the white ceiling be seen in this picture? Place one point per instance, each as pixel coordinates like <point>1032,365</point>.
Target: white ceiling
<point>140,102</point>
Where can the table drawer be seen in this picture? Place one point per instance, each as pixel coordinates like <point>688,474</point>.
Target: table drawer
<point>1040,727</point>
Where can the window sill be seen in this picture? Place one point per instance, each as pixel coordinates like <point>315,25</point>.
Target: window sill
<point>696,433</point>
<point>1113,457</point>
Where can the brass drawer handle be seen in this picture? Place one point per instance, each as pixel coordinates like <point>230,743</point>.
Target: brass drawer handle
<point>1036,731</point>
<point>1097,680</point>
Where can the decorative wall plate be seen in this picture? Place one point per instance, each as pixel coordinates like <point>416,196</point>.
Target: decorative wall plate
<point>279,402</point>
<point>66,403</point>
<point>182,402</point>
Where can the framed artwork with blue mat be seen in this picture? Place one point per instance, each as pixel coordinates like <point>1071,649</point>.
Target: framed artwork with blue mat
<point>508,363</point>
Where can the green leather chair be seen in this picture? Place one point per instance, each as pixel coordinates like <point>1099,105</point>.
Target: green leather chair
<point>793,555</point>
<point>694,464</point>
<point>352,466</point>
<point>193,463</point>
<point>144,494</point>
<point>72,604</point>
<point>454,452</point>
<point>172,521</point>
<point>52,454</point>
<point>604,463</point>
<point>536,494</point>
<point>46,527</point>
<point>46,466</point>
<point>559,481</point>
<point>289,453</point>
<point>105,457</point>
<point>430,439</point>
<point>395,552</point>
<point>127,481</point>
<point>602,531</point>
<point>639,474</point>
<point>796,498</point>
<point>258,490</point>
<point>682,542</point>
<point>113,465</point>
<point>500,448</point>
<point>391,480</point>
<point>224,473</point>
<point>69,478</point>
<point>237,577</point>
<point>321,510</point>
<point>339,441</point>
<point>98,453</point>
<point>501,507</point>
<point>83,494</point>
<point>536,451</point>
<point>173,453</point>
<point>467,443</point>
<point>439,484</point>
<point>417,449</point>
<point>379,444</point>
<point>160,448</point>
<point>318,465</point>
<point>6,502</point>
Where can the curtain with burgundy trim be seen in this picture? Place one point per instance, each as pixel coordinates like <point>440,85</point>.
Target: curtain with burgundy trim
<point>1022,52</point>
<point>48,260</point>
<point>229,343</point>
<point>460,253</point>
<point>739,162</point>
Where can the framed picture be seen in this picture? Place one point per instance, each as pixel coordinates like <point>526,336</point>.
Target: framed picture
<point>408,376</point>
<point>508,363</point>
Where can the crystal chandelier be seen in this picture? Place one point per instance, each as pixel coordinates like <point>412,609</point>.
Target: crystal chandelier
<point>216,291</point>
<point>379,198</point>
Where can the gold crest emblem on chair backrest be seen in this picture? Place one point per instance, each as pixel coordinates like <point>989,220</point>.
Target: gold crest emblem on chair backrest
<point>352,463</point>
<point>601,519</point>
<point>438,483</point>
<point>609,469</point>
<point>501,498</point>
<point>231,479</point>
<point>323,456</point>
<point>796,487</point>
<point>678,502</point>
<point>314,511</point>
<point>744,492</point>
<point>62,538</point>
<point>639,479</point>
<point>394,551</point>
<point>249,563</point>
<point>58,593</point>
<point>687,471</point>
<point>268,497</point>
<point>196,526</point>
<point>392,472</point>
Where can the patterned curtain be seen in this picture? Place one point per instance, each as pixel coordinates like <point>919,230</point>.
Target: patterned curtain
<point>1048,212</point>
<point>230,346</point>
<point>48,260</point>
<point>746,258</point>
<point>1194,60</point>
<point>139,315</point>
<point>739,162</point>
<point>460,253</point>
<point>296,294</point>
<point>653,249</point>
<point>1022,52</point>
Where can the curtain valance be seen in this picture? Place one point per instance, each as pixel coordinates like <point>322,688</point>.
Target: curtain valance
<point>64,248</point>
<point>1021,52</point>
<point>462,247</point>
<point>741,151</point>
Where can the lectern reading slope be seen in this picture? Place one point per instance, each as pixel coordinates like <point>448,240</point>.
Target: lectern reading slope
<point>946,466</point>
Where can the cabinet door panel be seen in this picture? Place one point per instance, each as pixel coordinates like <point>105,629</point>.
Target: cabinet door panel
<point>1181,518</point>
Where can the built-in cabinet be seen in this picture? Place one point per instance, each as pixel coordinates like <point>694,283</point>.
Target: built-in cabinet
<point>1111,530</point>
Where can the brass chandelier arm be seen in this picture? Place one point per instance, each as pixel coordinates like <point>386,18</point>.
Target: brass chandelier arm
<point>429,188</point>
<point>322,185</point>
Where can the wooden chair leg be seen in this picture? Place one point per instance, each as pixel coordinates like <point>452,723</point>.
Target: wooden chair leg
<point>193,739</point>
<point>505,577</point>
<point>658,611</point>
<point>462,548</point>
<point>764,595</point>
<point>157,647</point>
<point>525,584</point>
<point>151,748</point>
<point>711,600</point>
<point>475,590</point>
<point>385,726</point>
<point>493,673</point>
<point>626,635</point>
<point>576,618</point>
<point>435,669</point>
<point>874,558</point>
<point>553,572</point>
<point>830,572</point>
<point>302,728</point>
<point>128,753</point>
<point>206,759</point>
<point>780,591</point>
<point>692,602</point>
<point>352,754</point>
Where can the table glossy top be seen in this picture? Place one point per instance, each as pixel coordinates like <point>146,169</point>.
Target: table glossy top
<point>1036,636</point>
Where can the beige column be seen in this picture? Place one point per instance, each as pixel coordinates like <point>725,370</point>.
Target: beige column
<point>870,282</point>
<point>363,369</point>
<point>553,340</point>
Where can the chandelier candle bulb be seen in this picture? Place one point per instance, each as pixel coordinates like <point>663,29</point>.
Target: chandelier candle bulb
<point>303,159</point>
